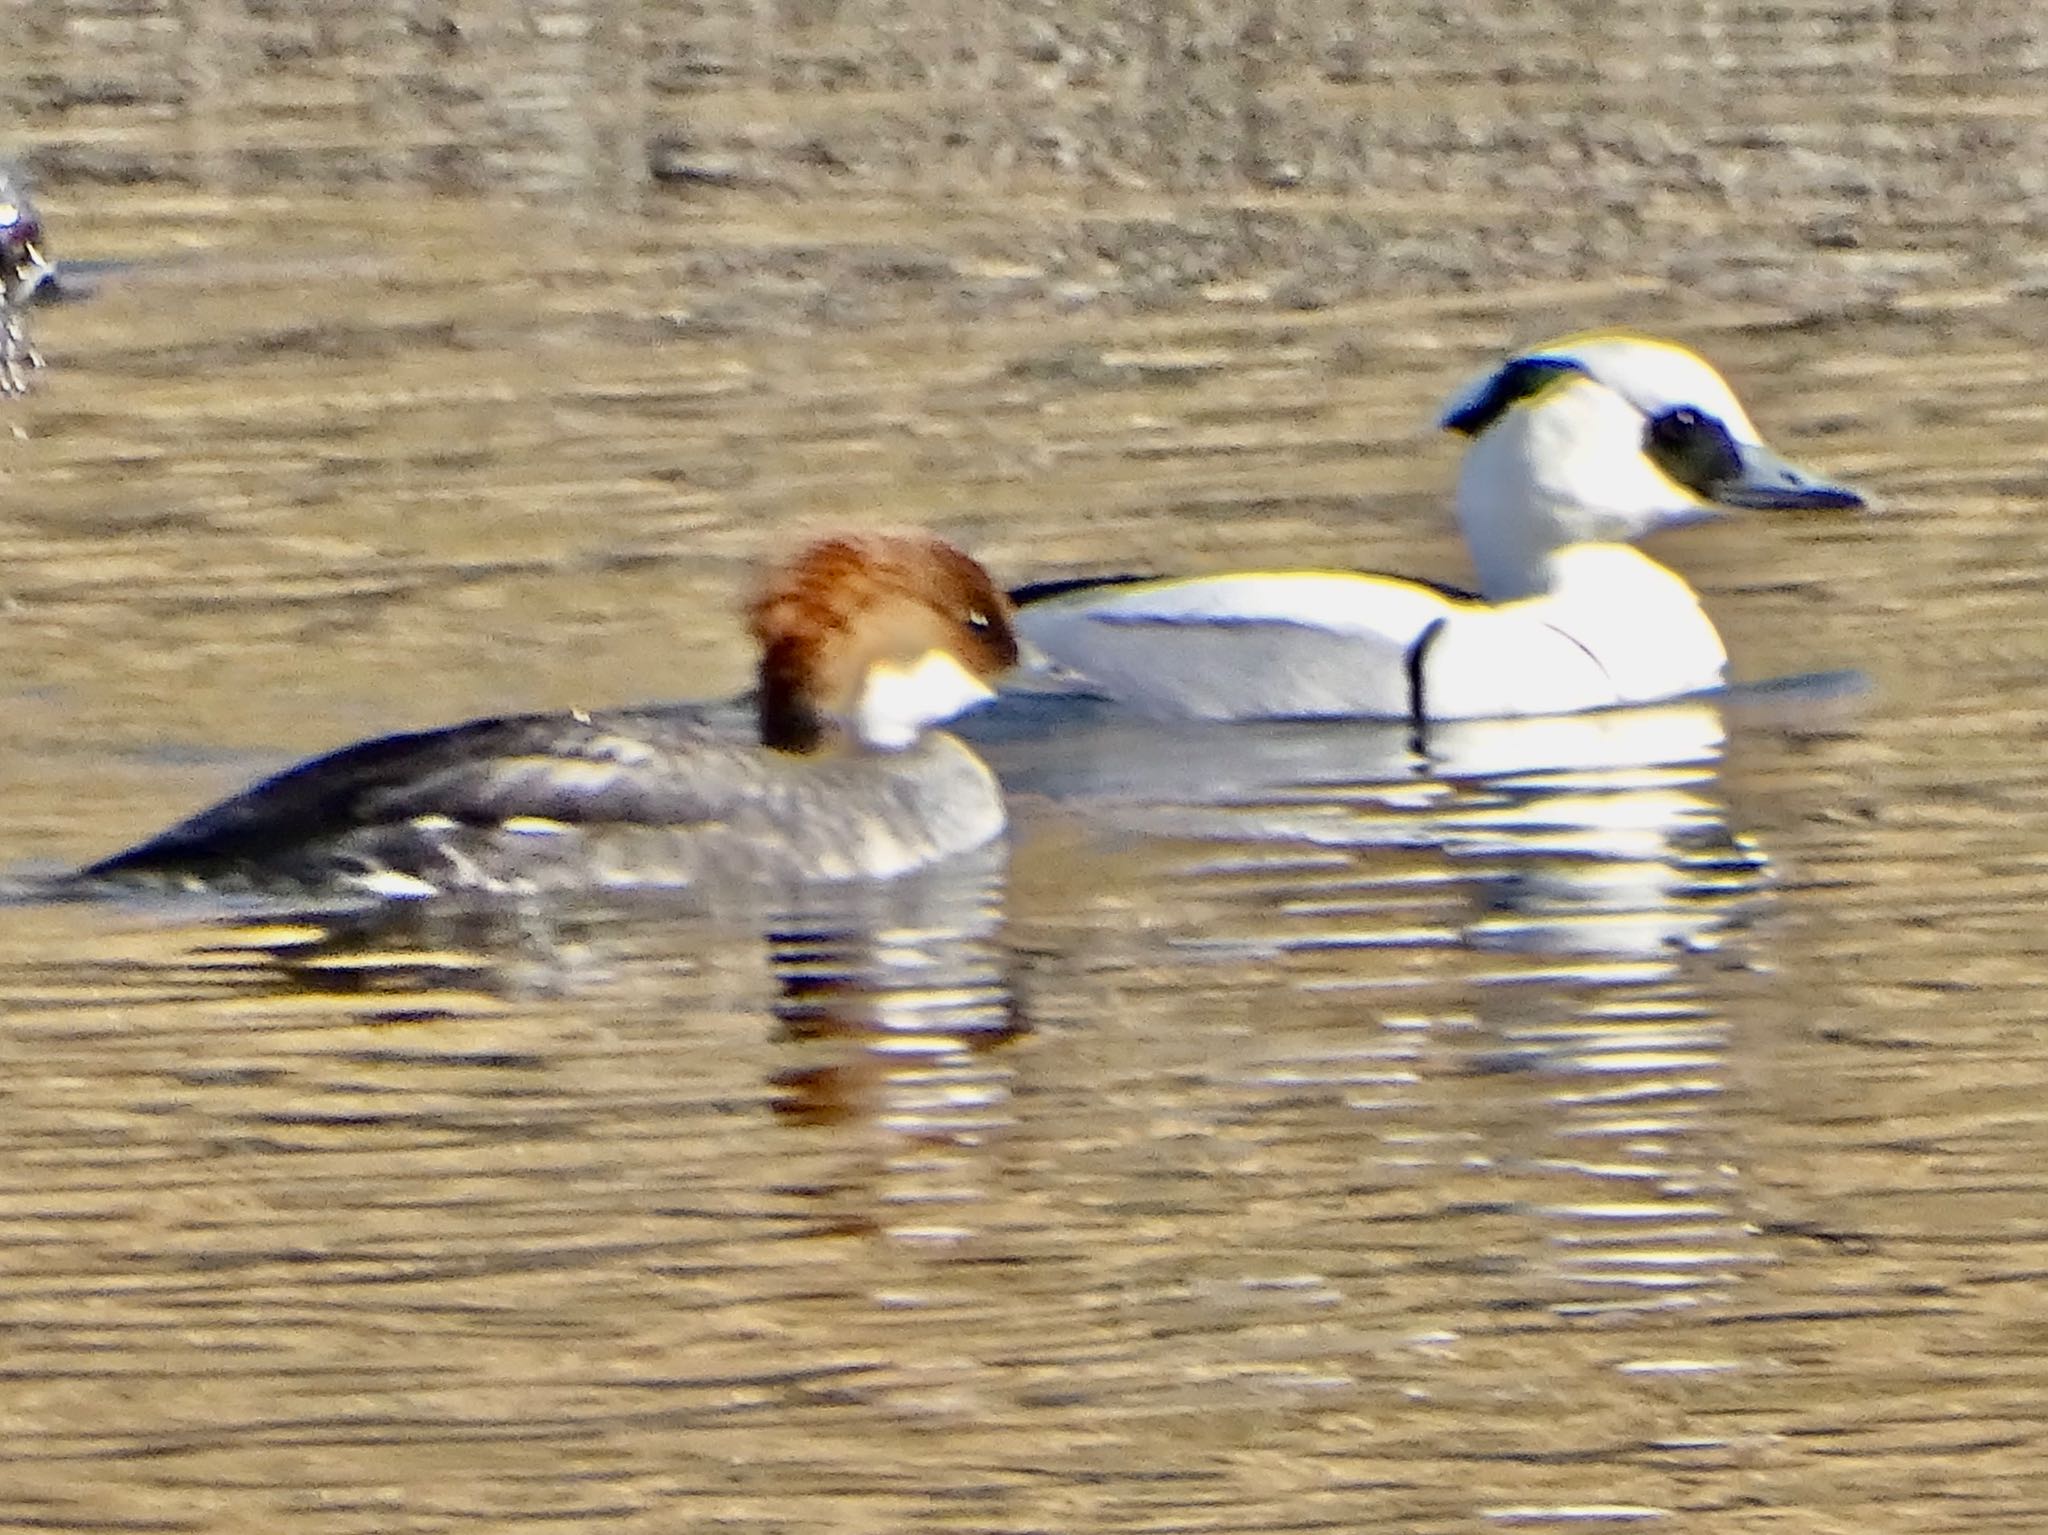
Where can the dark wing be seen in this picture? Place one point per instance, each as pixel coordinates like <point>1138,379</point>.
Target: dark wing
<point>667,767</point>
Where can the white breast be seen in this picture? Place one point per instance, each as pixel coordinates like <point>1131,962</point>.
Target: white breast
<point>1614,628</point>
<point>1646,625</point>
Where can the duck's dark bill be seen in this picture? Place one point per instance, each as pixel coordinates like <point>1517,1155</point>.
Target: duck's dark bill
<point>1789,498</point>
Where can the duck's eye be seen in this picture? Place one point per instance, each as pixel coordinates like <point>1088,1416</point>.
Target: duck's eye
<point>1693,448</point>
<point>979,621</point>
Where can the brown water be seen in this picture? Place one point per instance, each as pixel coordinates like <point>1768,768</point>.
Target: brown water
<point>1653,1141</point>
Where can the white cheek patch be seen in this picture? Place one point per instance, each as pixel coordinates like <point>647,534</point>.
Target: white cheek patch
<point>898,701</point>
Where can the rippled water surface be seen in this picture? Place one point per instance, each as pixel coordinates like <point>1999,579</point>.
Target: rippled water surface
<point>1628,1121</point>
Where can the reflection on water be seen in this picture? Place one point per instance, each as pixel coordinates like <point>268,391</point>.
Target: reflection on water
<point>1590,859</point>
<point>888,1001</point>
<point>1598,834</point>
<point>1609,876</point>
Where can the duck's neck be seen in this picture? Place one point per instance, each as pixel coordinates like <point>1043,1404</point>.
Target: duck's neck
<point>1512,527</point>
<point>789,720</point>
<point>1613,575</point>
<point>885,705</point>
<point>1512,563</point>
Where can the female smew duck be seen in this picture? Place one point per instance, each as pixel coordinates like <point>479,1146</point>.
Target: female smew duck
<point>1578,448</point>
<point>865,641</point>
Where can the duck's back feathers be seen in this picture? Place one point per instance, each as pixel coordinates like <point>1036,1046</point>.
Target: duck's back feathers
<point>558,768</point>
<point>1264,644</point>
<point>1066,586</point>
